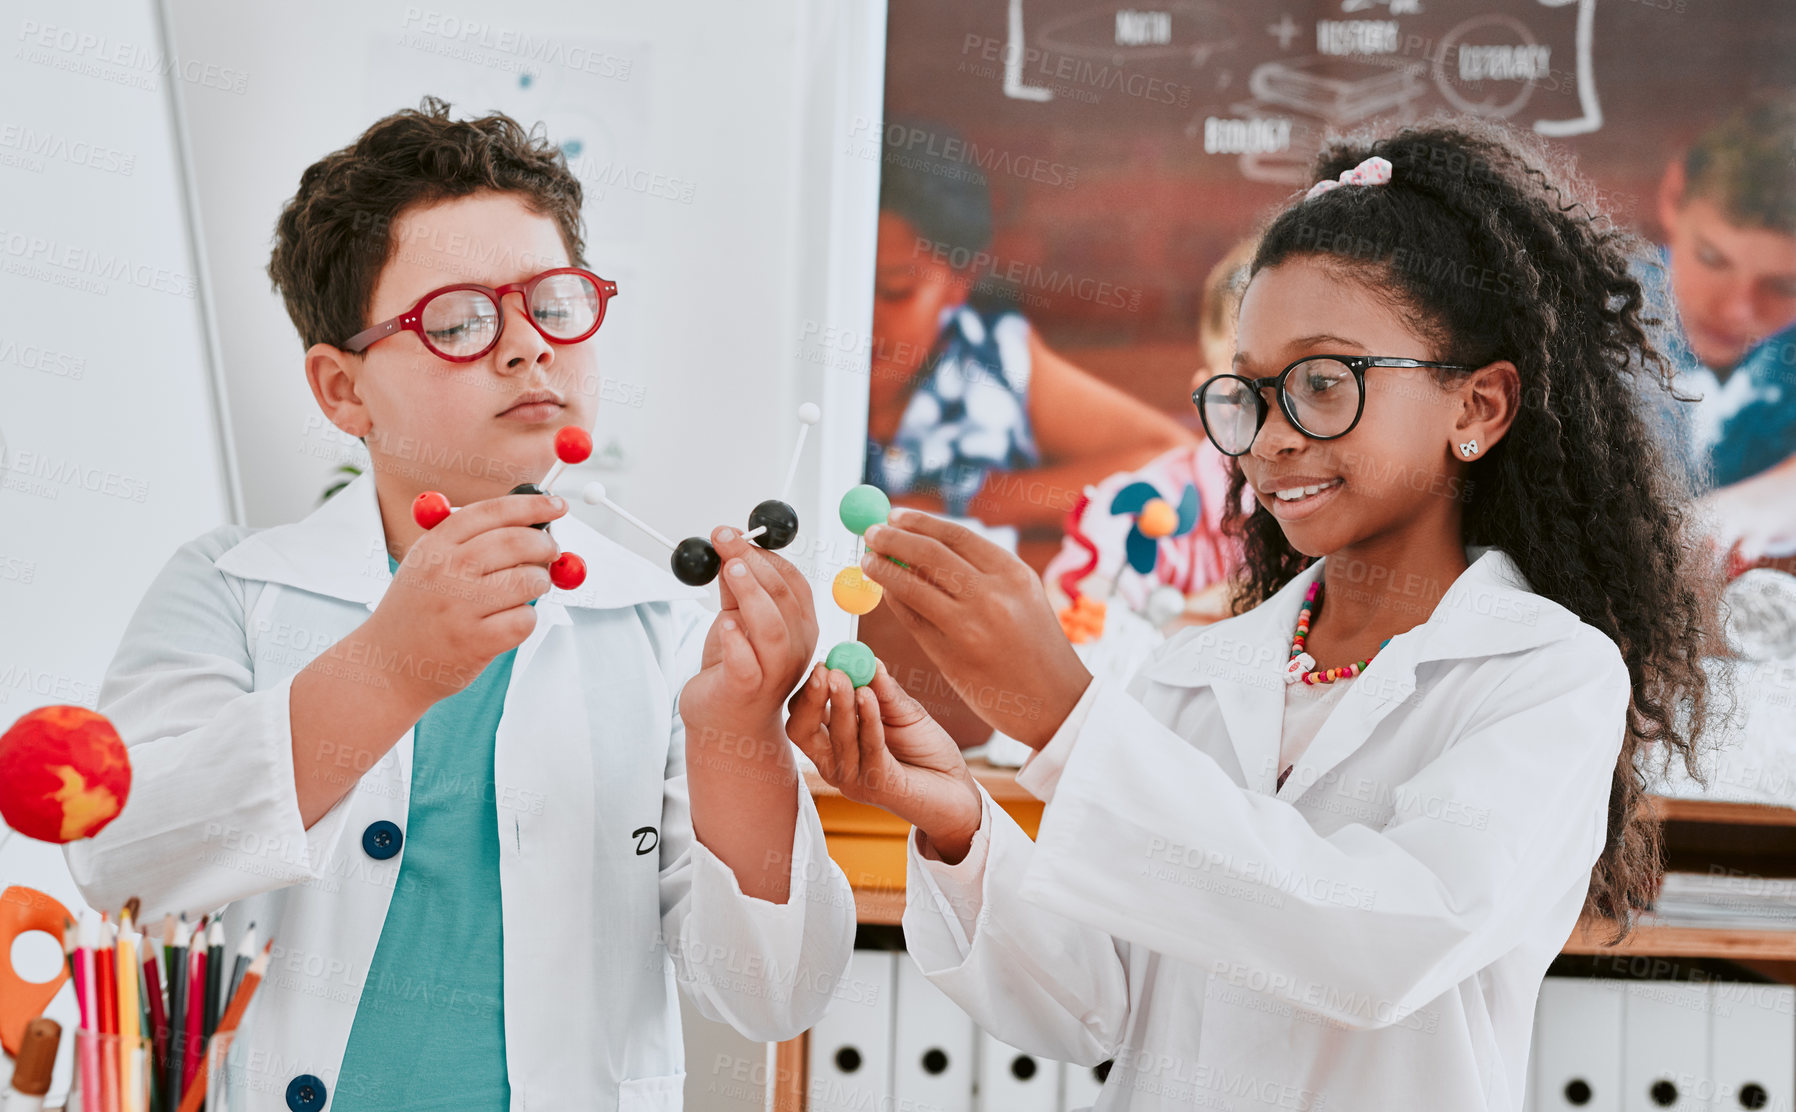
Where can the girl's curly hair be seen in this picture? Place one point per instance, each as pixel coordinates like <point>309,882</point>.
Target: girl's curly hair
<point>1490,254</point>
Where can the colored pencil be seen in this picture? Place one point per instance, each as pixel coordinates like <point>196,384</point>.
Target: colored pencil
<point>228,1023</point>
<point>106,967</point>
<point>246,953</point>
<point>78,976</point>
<point>106,963</point>
<point>195,1043</point>
<point>87,999</point>
<point>158,1027</point>
<point>162,1017</point>
<point>129,1016</point>
<point>177,1013</point>
<point>215,972</point>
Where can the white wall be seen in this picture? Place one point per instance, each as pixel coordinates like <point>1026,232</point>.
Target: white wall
<point>111,447</point>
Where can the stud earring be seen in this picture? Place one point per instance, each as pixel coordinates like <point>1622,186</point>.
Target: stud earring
<point>1469,449</point>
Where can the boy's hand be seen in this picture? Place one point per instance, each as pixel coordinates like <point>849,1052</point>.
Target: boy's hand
<point>462,594</point>
<point>984,618</point>
<point>758,645</point>
<point>878,745</point>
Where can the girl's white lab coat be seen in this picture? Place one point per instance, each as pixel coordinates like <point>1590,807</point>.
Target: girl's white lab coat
<point>1372,936</point>
<point>607,897</point>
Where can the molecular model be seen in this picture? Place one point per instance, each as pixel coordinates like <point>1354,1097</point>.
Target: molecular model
<point>862,507</point>
<point>772,524</point>
<point>572,445</point>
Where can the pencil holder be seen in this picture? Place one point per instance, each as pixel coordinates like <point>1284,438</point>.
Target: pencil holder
<point>218,1078</point>
<point>112,1073</point>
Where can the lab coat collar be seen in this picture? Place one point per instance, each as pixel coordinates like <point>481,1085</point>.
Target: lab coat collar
<point>339,550</point>
<point>1489,610</point>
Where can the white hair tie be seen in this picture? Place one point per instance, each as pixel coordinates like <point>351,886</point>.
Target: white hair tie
<point>1373,171</point>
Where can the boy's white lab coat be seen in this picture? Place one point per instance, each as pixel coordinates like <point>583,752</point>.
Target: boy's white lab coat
<point>1372,936</point>
<point>608,899</point>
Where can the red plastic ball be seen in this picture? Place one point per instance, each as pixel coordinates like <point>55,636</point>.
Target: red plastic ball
<point>430,509</point>
<point>64,774</point>
<point>573,444</point>
<point>568,571</point>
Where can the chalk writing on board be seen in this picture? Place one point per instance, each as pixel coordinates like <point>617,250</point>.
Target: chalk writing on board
<point>1363,63</point>
<point>1592,118</point>
<point>1191,32</point>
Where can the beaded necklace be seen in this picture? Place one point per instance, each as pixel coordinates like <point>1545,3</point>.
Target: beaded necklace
<point>1302,666</point>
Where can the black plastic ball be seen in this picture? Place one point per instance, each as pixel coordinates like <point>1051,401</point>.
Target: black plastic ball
<point>530,488</point>
<point>781,521</point>
<point>695,562</point>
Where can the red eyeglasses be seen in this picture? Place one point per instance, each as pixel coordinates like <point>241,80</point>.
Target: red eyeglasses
<point>461,323</point>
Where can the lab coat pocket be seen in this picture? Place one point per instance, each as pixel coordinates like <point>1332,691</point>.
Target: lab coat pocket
<point>652,1094</point>
<point>1249,1045</point>
<point>1241,1024</point>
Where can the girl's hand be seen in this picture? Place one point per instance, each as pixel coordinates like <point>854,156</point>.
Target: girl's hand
<point>878,745</point>
<point>758,645</point>
<point>984,618</point>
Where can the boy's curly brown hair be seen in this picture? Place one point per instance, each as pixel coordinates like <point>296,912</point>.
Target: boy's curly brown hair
<point>1492,253</point>
<point>335,234</point>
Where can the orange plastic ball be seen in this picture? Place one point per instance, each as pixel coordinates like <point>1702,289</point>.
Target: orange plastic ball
<point>854,592</point>
<point>64,774</point>
<point>1157,519</point>
<point>1083,621</point>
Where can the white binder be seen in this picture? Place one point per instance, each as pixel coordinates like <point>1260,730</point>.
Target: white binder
<point>1011,1080</point>
<point>1665,1047</point>
<point>1576,1058</point>
<point>850,1054</point>
<point>1752,1047</point>
<point>933,1041</point>
<point>1079,1086</point>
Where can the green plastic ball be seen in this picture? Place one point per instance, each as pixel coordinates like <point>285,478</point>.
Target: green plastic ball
<point>853,658</point>
<point>864,506</point>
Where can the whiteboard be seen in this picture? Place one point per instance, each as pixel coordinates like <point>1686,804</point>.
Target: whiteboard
<point>112,449</point>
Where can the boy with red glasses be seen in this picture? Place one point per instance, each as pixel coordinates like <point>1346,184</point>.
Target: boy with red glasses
<point>488,825</point>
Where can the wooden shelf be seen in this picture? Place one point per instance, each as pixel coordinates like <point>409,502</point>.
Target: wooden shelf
<point>1701,821</point>
<point>999,783</point>
<point>879,906</point>
<point>1669,809</point>
<point>1663,941</point>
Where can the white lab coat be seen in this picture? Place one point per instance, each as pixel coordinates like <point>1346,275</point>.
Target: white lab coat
<point>1372,936</point>
<point>607,898</point>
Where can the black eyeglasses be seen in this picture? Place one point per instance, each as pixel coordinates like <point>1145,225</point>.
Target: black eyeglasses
<point>1323,402</point>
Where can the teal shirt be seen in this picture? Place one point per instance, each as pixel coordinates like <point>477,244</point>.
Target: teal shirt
<point>429,1032</point>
